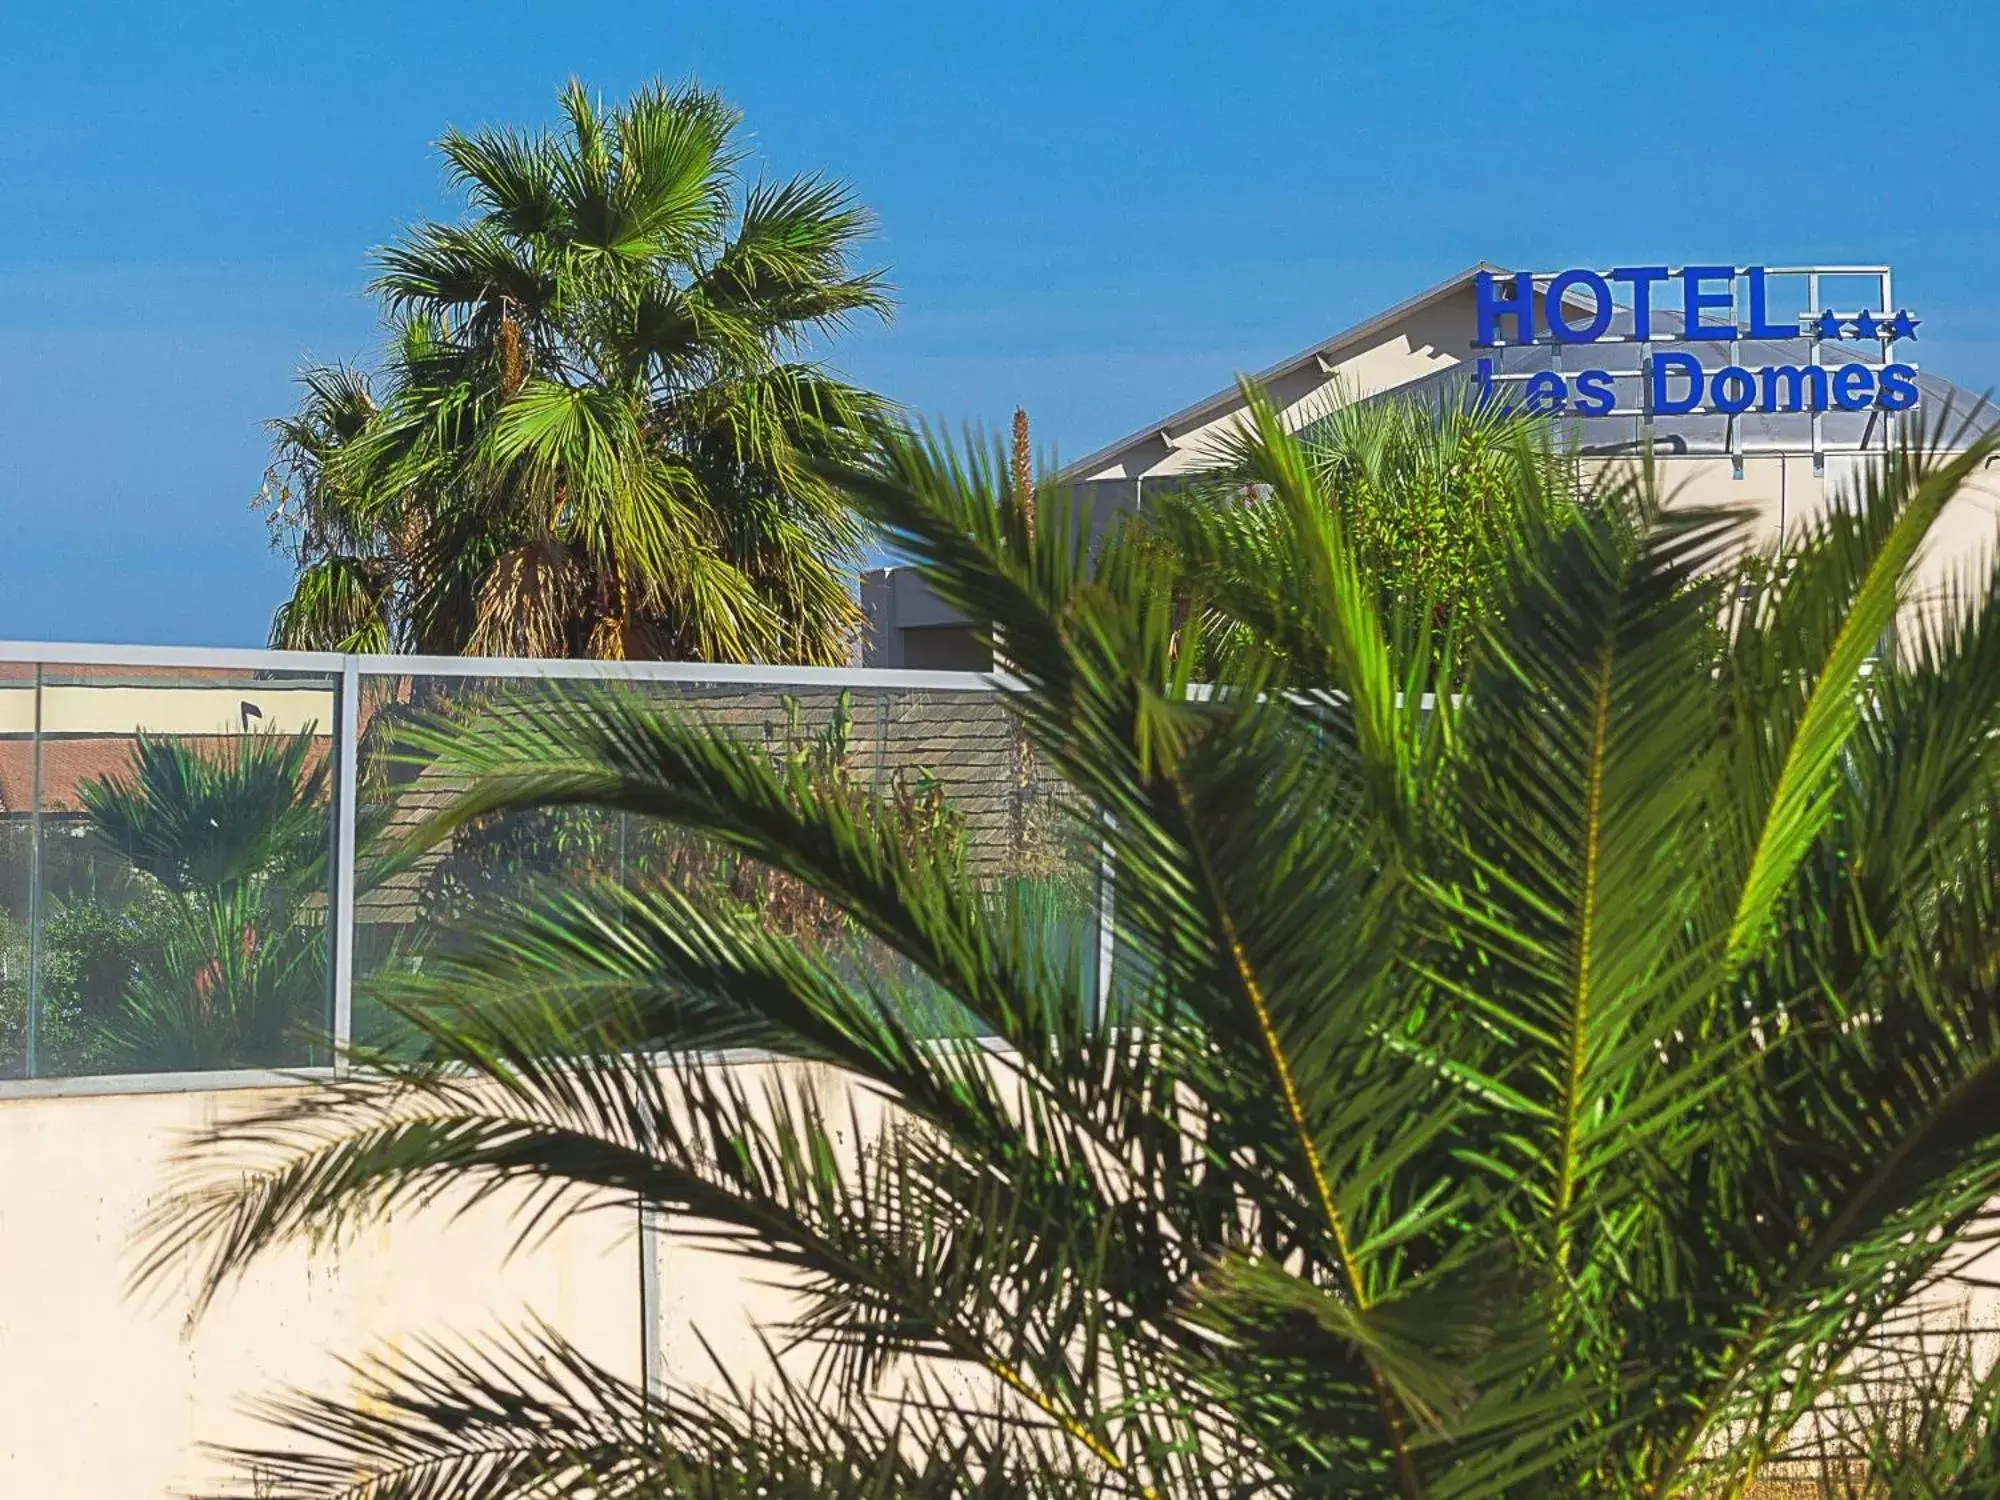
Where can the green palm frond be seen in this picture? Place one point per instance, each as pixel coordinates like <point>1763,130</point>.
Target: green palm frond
<point>1429,494</point>
<point>546,1420</point>
<point>1347,627</point>
<point>196,820</point>
<point>1819,626</point>
<point>1551,1047</point>
<point>786,268</point>
<point>1571,911</point>
<point>508,174</point>
<point>338,603</point>
<point>464,271</point>
<point>238,982</point>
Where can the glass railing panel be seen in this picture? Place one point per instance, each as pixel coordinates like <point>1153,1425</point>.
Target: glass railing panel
<point>948,763</point>
<point>960,761</point>
<point>185,835</point>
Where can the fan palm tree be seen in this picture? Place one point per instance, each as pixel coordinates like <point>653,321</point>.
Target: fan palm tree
<point>1558,1088</point>
<point>595,430</point>
<point>235,842</point>
<point>197,819</point>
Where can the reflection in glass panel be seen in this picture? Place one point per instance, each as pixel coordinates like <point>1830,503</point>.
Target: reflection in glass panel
<point>959,763</point>
<point>185,819</point>
<point>950,765</point>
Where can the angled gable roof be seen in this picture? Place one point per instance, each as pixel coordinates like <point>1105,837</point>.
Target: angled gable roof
<point>1313,356</point>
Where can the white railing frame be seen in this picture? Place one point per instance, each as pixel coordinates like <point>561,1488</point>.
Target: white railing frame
<point>348,673</point>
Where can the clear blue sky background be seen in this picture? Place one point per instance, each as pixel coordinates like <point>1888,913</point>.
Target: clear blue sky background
<point>1097,210</point>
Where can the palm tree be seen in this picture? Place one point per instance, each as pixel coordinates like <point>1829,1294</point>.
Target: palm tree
<point>595,430</point>
<point>235,845</point>
<point>1557,1088</point>
<point>196,819</point>
<point>323,513</point>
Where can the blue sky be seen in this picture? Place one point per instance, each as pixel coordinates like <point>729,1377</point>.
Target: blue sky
<point>1097,210</point>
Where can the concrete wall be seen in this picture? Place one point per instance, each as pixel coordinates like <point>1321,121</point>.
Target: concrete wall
<point>105,1394</point>
<point>108,1394</point>
<point>1784,494</point>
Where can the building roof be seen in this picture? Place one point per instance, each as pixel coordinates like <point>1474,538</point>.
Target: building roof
<point>70,762</point>
<point>1211,407</point>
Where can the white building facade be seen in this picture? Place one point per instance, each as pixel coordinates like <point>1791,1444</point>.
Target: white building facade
<point>1813,359</point>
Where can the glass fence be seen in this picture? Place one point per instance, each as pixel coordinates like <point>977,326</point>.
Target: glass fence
<point>204,857</point>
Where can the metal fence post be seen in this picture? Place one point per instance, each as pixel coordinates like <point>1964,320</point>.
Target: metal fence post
<point>1107,915</point>
<point>340,899</point>
<point>652,1345</point>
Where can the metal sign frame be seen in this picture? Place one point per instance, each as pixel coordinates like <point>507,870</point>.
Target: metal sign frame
<point>1877,435</point>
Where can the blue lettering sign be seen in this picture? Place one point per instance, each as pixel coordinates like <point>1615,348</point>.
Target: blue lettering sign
<point>1697,301</point>
<point>1642,279</point>
<point>1595,394</point>
<point>1853,386</point>
<point>1518,304</point>
<point>1733,389</point>
<point>1761,327</point>
<point>1546,392</point>
<point>1667,364</point>
<point>1578,306</point>
<point>1558,296</point>
<point>1790,387</point>
<point>1899,388</point>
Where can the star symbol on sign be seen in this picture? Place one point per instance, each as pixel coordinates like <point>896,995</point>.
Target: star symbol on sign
<point>1828,327</point>
<point>1903,326</point>
<point>1865,327</point>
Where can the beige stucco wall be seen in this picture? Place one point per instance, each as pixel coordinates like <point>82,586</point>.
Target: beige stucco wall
<point>107,1394</point>
<point>1784,494</point>
<point>104,1394</point>
<point>718,1307</point>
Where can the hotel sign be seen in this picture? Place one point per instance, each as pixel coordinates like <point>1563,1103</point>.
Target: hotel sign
<point>1687,309</point>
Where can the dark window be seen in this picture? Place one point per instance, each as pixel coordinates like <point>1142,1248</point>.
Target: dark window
<point>944,648</point>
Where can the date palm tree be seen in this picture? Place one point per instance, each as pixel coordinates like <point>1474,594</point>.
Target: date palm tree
<point>596,428</point>
<point>1560,1087</point>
